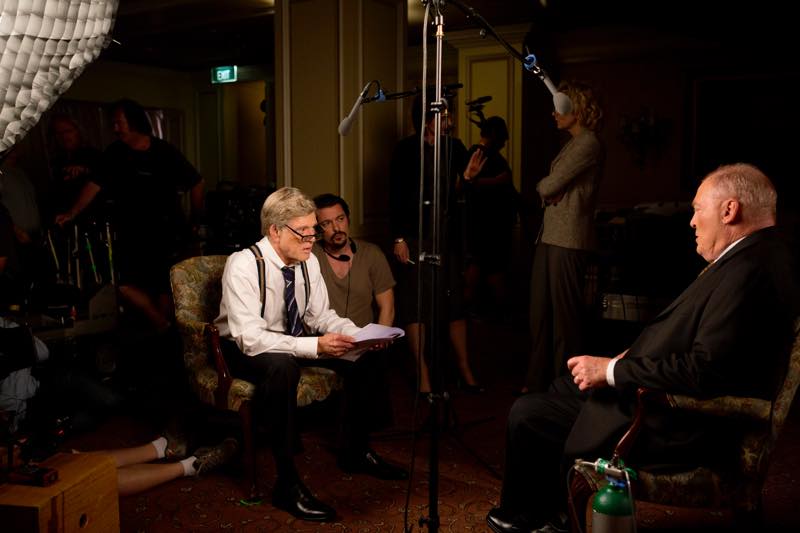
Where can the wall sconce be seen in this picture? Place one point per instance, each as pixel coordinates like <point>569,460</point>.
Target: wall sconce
<point>643,134</point>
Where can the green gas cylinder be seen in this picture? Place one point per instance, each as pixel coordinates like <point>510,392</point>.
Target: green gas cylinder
<point>612,511</point>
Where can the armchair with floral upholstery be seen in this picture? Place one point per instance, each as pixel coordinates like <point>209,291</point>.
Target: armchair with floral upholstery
<point>703,497</point>
<point>197,290</point>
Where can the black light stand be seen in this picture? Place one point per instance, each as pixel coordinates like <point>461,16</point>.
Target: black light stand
<point>433,262</point>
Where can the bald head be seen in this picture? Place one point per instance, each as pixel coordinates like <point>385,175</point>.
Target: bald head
<point>731,202</point>
<point>753,190</point>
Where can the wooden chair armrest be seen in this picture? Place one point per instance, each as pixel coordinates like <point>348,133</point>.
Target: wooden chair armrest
<point>644,397</point>
<point>224,378</point>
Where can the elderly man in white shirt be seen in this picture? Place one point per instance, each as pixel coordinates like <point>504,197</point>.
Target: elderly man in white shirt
<point>267,340</point>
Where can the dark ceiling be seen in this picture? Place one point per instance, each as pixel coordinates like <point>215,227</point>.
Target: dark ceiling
<point>197,34</point>
<point>193,34</point>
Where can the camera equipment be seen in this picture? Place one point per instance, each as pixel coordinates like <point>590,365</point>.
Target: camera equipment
<point>476,106</point>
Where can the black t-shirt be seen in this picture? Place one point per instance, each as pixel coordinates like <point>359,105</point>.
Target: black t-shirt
<point>404,186</point>
<point>66,189</point>
<point>144,186</point>
<point>495,201</point>
<point>8,242</point>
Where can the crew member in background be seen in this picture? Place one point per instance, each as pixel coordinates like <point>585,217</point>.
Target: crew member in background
<point>360,286</point>
<point>143,175</point>
<point>356,272</point>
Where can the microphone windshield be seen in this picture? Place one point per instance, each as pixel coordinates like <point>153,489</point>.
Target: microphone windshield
<point>562,104</point>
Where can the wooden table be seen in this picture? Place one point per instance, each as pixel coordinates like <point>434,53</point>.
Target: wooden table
<point>83,500</point>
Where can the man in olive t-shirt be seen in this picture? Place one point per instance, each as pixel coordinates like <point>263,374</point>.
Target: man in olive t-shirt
<point>356,272</point>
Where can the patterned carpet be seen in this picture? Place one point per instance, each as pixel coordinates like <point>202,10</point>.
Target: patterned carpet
<point>467,488</point>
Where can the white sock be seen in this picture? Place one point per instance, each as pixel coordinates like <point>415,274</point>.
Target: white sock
<point>160,444</point>
<point>188,466</point>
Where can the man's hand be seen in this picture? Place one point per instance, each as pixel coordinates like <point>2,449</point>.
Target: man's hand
<point>335,344</point>
<point>401,251</point>
<point>63,218</point>
<point>22,235</point>
<point>588,372</point>
<point>475,165</point>
<point>553,200</point>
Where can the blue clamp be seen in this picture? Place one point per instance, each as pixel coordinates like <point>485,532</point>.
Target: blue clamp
<point>530,62</point>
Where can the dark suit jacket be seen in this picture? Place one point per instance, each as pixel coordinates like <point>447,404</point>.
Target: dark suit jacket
<point>729,333</point>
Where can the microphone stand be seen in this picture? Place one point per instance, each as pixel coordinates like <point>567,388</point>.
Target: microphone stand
<point>431,263</point>
<point>529,61</point>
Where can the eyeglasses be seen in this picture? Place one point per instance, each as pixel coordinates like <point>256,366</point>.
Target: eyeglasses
<point>311,237</point>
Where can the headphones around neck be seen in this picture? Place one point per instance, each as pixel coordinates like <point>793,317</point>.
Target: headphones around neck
<point>342,257</point>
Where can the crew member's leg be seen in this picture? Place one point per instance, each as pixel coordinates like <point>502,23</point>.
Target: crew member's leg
<point>136,474</point>
<point>416,342</point>
<point>540,364</point>
<point>567,281</point>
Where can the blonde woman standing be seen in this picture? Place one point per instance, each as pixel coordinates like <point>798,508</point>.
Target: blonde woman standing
<point>566,240</point>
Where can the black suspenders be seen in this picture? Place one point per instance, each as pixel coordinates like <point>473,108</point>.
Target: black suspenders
<point>262,281</point>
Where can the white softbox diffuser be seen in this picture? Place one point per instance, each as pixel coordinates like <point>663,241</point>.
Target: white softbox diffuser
<point>44,47</point>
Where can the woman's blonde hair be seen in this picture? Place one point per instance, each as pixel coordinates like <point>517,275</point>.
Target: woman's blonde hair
<point>585,105</point>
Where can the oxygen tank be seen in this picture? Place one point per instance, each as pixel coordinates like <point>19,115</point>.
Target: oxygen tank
<point>612,509</point>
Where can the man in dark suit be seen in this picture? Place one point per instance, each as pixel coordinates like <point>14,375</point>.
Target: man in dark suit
<point>730,332</point>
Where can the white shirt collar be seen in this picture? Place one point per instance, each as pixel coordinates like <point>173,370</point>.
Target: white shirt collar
<point>268,250</point>
<point>726,250</point>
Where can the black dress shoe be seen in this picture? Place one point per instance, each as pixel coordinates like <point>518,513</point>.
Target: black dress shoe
<point>297,500</point>
<point>500,523</point>
<point>372,464</point>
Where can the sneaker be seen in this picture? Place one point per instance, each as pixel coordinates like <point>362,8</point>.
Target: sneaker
<point>177,443</point>
<point>210,458</point>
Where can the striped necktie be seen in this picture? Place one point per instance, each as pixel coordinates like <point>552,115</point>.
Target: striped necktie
<point>293,325</point>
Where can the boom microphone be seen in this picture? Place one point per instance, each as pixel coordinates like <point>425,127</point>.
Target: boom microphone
<point>347,122</point>
<point>561,102</point>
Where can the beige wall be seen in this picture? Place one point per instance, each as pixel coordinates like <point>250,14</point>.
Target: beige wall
<point>326,52</point>
<point>487,69</point>
<point>251,145</point>
<point>105,81</point>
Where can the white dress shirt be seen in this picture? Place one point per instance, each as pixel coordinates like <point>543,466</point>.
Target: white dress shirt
<point>240,309</point>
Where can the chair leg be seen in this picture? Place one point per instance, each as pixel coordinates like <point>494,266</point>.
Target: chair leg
<point>250,460</point>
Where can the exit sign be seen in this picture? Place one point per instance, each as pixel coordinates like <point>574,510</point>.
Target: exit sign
<point>223,74</point>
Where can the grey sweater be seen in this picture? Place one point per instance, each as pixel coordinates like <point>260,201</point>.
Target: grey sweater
<point>575,172</point>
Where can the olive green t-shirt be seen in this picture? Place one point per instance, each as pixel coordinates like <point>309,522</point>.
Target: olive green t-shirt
<point>353,295</point>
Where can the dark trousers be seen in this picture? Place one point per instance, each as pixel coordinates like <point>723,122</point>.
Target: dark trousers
<point>276,376</point>
<point>538,426</point>
<point>557,312</point>
<point>534,480</point>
